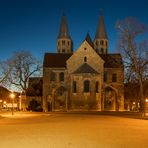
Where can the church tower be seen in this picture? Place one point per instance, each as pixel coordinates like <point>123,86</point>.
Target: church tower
<point>101,38</point>
<point>64,42</point>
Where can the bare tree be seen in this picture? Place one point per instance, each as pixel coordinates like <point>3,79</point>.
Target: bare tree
<point>4,72</point>
<point>134,51</point>
<point>22,65</point>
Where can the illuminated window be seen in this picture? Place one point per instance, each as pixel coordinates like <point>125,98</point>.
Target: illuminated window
<point>86,85</point>
<point>74,86</point>
<point>114,77</point>
<point>62,76</point>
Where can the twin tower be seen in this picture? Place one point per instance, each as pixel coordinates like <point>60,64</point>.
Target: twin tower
<point>65,43</point>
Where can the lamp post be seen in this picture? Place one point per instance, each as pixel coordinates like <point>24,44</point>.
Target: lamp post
<point>20,102</point>
<point>12,97</point>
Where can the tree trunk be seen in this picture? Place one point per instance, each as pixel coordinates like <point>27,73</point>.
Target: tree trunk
<point>142,101</point>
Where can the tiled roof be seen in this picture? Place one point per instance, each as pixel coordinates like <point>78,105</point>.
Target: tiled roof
<point>85,68</point>
<point>56,59</point>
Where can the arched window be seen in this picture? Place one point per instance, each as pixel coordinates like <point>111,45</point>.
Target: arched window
<point>97,87</point>
<point>101,42</point>
<point>96,43</point>
<point>62,76</point>
<point>106,43</point>
<point>52,76</point>
<point>86,86</point>
<point>85,59</point>
<point>74,86</point>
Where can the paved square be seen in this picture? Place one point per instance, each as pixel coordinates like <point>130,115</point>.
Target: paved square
<point>72,131</point>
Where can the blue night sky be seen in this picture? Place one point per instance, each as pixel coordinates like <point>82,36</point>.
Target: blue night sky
<point>34,24</point>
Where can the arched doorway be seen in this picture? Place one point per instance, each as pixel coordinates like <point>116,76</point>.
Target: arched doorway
<point>60,98</point>
<point>110,99</point>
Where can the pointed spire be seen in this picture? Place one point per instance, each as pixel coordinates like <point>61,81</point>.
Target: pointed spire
<point>88,39</point>
<point>64,33</point>
<point>101,31</point>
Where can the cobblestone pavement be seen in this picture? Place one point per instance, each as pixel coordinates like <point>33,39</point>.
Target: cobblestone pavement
<point>72,130</point>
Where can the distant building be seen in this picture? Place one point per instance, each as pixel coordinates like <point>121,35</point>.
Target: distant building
<point>6,100</point>
<point>88,79</point>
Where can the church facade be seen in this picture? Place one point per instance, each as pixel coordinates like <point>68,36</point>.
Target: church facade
<point>89,78</point>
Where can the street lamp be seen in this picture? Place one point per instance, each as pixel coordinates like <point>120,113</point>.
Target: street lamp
<point>12,96</point>
<point>20,102</point>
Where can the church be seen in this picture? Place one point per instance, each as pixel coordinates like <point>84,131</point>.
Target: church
<point>86,79</point>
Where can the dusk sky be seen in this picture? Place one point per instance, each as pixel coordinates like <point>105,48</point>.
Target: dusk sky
<point>34,24</point>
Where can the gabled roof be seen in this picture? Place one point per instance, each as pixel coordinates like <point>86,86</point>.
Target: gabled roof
<point>88,39</point>
<point>56,59</point>
<point>59,60</point>
<point>63,33</point>
<point>85,68</point>
<point>101,31</point>
<point>112,60</point>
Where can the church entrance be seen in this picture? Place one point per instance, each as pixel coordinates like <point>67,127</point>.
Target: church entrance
<point>110,99</point>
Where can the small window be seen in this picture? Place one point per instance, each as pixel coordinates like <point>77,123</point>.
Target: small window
<point>62,76</point>
<point>85,48</point>
<point>85,59</point>
<point>63,42</point>
<point>68,42</point>
<point>86,86</point>
<point>74,86</point>
<point>97,87</point>
<point>114,77</point>
<point>52,76</point>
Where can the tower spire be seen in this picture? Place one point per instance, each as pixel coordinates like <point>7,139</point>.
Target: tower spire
<point>101,38</point>
<point>64,32</point>
<point>64,42</point>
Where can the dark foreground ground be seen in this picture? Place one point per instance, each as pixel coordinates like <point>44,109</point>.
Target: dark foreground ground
<point>73,130</point>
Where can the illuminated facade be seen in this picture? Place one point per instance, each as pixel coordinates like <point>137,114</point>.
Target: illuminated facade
<point>88,79</point>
